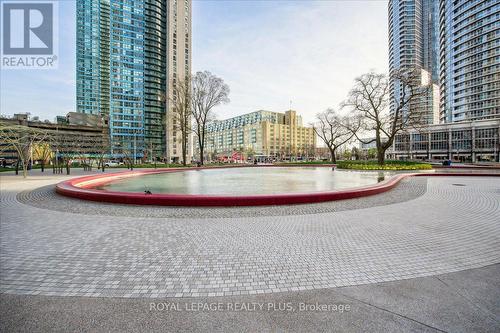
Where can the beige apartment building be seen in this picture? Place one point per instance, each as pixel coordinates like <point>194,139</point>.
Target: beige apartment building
<point>261,133</point>
<point>179,65</point>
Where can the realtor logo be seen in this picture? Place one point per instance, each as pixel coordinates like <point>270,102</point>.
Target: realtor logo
<point>29,34</point>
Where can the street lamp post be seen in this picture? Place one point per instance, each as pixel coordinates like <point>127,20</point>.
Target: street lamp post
<point>135,147</point>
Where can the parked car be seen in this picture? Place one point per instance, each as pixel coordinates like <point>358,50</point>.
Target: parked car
<point>112,163</point>
<point>8,164</point>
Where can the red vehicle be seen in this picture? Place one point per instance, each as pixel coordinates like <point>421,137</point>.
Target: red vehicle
<point>235,157</point>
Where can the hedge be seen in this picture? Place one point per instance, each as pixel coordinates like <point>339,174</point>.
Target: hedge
<point>389,165</point>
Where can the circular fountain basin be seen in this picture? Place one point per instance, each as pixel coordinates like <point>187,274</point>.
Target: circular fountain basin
<point>244,181</point>
<point>229,186</point>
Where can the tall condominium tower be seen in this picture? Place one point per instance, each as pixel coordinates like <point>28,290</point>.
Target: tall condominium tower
<point>413,44</point>
<point>469,59</point>
<point>178,66</point>
<point>129,53</point>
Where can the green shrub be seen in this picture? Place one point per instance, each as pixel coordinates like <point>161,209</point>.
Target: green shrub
<point>389,165</point>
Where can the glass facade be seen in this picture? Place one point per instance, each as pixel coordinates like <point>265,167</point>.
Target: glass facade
<point>469,141</point>
<point>92,70</point>
<point>127,29</point>
<point>413,44</point>
<point>155,83</point>
<point>430,37</point>
<point>122,71</point>
<point>469,59</point>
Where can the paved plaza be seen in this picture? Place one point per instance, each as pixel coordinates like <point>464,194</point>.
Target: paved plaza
<point>465,301</point>
<point>427,226</point>
<point>453,226</point>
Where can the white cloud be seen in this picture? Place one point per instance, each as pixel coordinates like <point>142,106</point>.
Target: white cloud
<point>309,53</point>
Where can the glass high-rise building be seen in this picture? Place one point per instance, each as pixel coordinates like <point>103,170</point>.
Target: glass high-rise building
<point>469,59</point>
<point>127,60</point>
<point>413,44</point>
<point>92,43</point>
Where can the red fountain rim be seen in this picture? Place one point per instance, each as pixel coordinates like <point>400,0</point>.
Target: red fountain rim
<point>84,188</point>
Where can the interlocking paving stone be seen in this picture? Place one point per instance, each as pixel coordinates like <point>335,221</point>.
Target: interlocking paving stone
<point>51,252</point>
<point>46,198</point>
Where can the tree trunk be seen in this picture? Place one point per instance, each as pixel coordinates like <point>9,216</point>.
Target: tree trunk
<point>184,152</point>
<point>333,158</point>
<point>201,143</point>
<point>43,166</point>
<point>17,166</point>
<point>380,156</point>
<point>25,169</point>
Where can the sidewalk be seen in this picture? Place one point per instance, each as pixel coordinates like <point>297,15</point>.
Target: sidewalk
<point>466,301</point>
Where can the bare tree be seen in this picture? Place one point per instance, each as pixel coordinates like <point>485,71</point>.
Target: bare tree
<point>68,148</point>
<point>22,139</point>
<point>128,158</point>
<point>101,148</point>
<point>59,143</point>
<point>334,130</point>
<point>369,101</point>
<point>95,147</point>
<point>181,109</point>
<point>208,91</point>
<point>310,151</point>
<point>371,153</point>
<point>83,156</point>
<point>250,153</point>
<point>153,157</point>
<point>42,152</point>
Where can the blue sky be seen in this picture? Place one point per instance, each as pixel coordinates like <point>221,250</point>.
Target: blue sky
<point>269,52</point>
